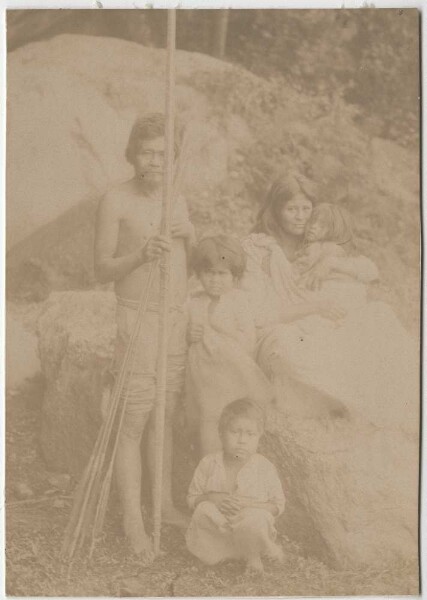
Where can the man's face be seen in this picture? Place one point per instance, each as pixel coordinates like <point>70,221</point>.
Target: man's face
<point>150,159</point>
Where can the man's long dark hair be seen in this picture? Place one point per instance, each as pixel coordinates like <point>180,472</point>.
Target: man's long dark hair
<point>282,190</point>
<point>148,127</point>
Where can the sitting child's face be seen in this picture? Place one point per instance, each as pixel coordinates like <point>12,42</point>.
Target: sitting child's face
<point>217,280</point>
<point>241,437</point>
<point>317,229</point>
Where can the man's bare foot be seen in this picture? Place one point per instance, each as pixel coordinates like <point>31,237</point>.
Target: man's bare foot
<point>137,537</point>
<point>172,516</point>
<point>254,565</point>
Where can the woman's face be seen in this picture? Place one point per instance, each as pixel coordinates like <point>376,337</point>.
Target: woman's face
<point>295,214</point>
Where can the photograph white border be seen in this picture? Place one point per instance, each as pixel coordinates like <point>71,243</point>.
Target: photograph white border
<point>190,4</point>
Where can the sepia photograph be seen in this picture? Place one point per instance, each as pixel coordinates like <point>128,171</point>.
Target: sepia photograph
<point>213,302</point>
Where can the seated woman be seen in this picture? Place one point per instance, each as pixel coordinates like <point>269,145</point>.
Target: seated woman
<point>360,363</point>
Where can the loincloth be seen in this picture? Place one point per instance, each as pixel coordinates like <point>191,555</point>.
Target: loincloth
<point>140,377</point>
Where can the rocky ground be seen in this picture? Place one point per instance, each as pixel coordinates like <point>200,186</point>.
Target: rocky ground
<point>38,505</point>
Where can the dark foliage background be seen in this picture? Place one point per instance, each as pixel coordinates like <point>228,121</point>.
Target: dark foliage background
<point>367,57</point>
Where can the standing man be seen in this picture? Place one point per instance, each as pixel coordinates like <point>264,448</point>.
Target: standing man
<point>127,241</point>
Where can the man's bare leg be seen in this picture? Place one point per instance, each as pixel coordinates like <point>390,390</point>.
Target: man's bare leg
<point>128,477</point>
<point>170,514</point>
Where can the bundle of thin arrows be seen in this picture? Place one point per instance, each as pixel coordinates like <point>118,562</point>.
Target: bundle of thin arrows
<point>91,497</point>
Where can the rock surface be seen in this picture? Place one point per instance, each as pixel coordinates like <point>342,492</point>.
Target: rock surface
<point>71,105</point>
<point>22,359</point>
<point>351,490</point>
<point>76,333</point>
<point>358,487</point>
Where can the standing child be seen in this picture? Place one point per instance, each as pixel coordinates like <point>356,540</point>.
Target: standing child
<point>221,360</point>
<point>236,494</point>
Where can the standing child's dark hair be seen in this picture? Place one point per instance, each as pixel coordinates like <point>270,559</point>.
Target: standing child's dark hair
<point>241,408</point>
<point>219,249</point>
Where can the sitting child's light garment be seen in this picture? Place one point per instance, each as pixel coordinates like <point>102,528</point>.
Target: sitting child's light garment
<point>221,366</point>
<point>213,537</point>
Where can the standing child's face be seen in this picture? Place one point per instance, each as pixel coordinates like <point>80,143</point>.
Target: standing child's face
<point>149,160</point>
<point>317,229</point>
<point>241,438</point>
<point>217,280</point>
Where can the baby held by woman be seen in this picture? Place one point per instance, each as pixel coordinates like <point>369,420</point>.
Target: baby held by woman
<point>329,236</point>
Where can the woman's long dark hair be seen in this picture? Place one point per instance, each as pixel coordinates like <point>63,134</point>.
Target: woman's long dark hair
<point>282,190</point>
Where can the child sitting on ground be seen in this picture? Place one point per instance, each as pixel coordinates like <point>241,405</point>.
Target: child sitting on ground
<point>221,363</point>
<point>236,494</point>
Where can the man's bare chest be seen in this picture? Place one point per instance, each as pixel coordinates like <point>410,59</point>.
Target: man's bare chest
<point>137,224</point>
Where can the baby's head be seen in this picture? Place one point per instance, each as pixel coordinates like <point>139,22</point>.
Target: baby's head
<point>240,427</point>
<point>329,223</point>
<point>219,262</point>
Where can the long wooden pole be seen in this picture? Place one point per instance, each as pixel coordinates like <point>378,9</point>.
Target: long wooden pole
<point>164,297</point>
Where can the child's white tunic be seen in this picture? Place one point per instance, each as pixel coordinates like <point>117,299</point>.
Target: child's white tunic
<point>210,536</point>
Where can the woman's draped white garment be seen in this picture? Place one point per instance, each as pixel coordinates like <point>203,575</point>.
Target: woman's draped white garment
<point>366,364</point>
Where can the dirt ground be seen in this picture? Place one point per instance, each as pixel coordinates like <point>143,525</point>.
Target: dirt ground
<point>37,511</point>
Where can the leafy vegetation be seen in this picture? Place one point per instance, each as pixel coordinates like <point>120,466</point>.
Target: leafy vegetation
<point>367,57</point>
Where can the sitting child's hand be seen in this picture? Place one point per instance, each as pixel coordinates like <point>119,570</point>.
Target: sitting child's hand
<point>196,333</point>
<point>232,505</point>
<point>217,498</point>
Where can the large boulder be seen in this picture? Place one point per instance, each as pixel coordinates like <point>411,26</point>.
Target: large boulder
<point>71,104</point>
<point>351,490</point>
